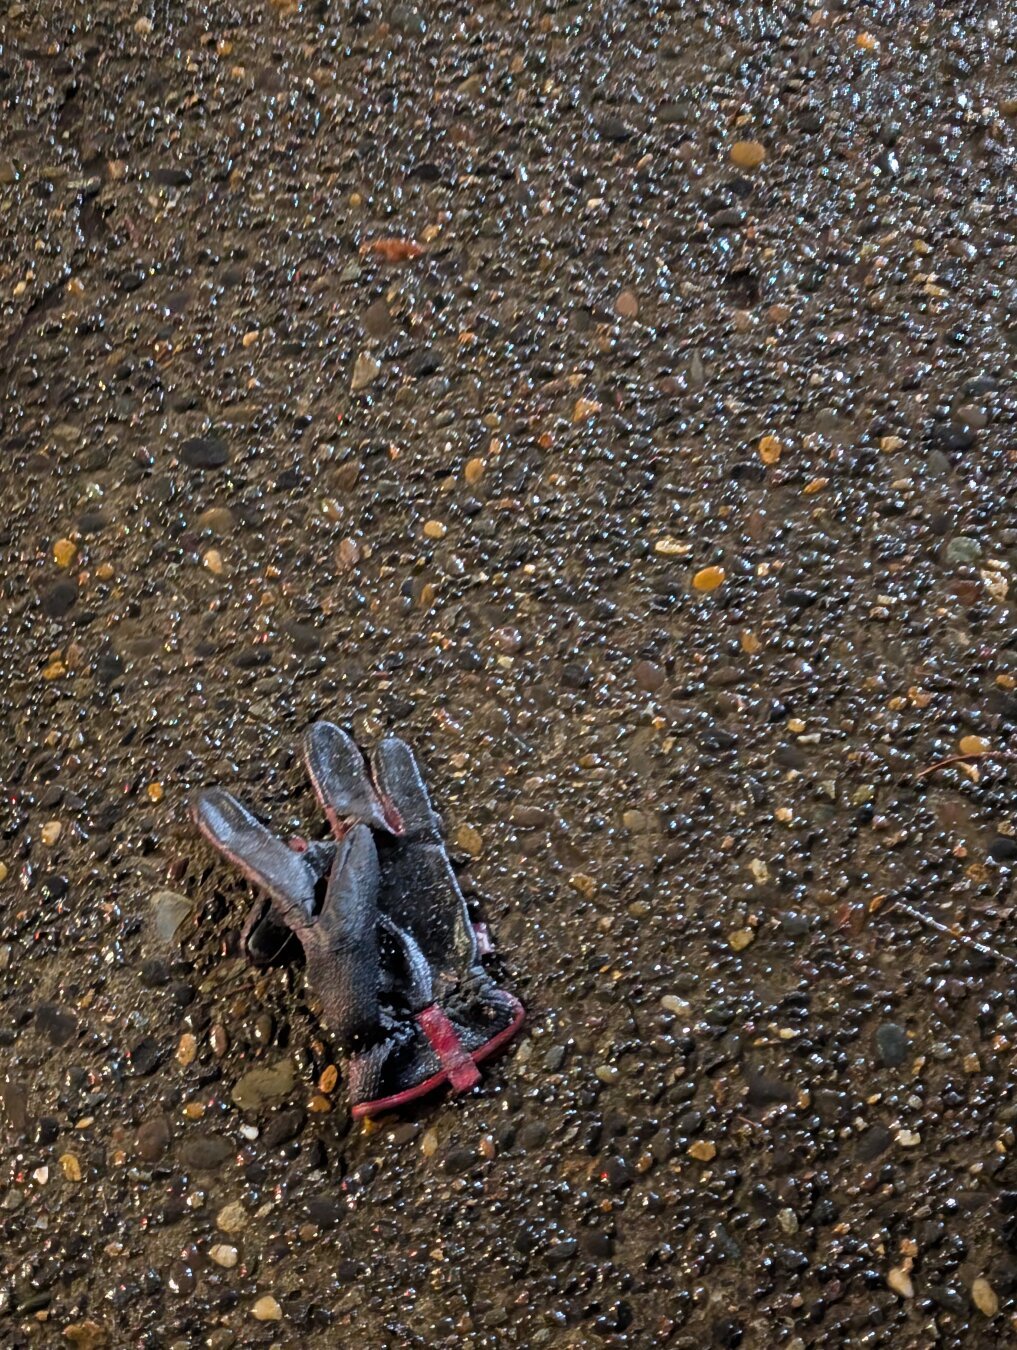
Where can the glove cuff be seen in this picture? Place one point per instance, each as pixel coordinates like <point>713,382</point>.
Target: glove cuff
<point>442,1046</point>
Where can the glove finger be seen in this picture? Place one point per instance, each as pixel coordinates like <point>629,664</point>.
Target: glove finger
<point>403,792</point>
<point>339,776</point>
<point>345,940</point>
<point>257,853</point>
<point>415,984</point>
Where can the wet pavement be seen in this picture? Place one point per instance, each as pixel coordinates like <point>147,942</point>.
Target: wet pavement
<point>617,402</point>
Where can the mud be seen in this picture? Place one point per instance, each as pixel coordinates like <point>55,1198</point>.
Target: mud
<point>616,401</point>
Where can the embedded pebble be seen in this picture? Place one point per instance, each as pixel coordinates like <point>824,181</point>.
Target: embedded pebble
<point>984,1297</point>
<point>232,1218</point>
<point>224,1256</point>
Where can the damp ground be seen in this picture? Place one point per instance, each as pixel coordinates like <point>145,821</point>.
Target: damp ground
<point>617,402</point>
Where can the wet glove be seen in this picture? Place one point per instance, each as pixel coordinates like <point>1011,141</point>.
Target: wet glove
<point>387,938</point>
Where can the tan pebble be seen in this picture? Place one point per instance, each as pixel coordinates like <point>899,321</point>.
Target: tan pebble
<point>143,26</point>
<point>795,725</point>
<point>585,408</point>
<point>105,572</point>
<point>193,1110</point>
<point>428,595</point>
<point>672,548</point>
<point>760,871</point>
<point>51,832</point>
<point>87,1335</point>
<point>435,529</point>
<point>708,578</point>
<point>583,884</point>
<point>70,1167</point>
<point>741,938</point>
<point>212,561</point>
<point>703,1151</point>
<point>155,792</point>
<point>900,1282</point>
<point>348,553</point>
<point>673,1004</point>
<point>867,42</point>
<point>3,871</point>
<point>54,670</point>
<point>488,1149</point>
<point>365,371</point>
<point>429,1144</point>
<point>249,339</point>
<point>769,449</point>
<point>474,471</point>
<point>984,1297</point>
<point>908,1138</point>
<point>232,1217</point>
<point>187,1049</point>
<point>307,1232</point>
<point>750,643</point>
<point>267,1309</point>
<point>816,485</point>
<point>469,840</point>
<point>888,444</point>
<point>627,304</point>
<point>607,1073</point>
<point>218,519</point>
<point>223,1255</point>
<point>747,154</point>
<point>329,1078</point>
<point>64,552</point>
<point>319,1105</point>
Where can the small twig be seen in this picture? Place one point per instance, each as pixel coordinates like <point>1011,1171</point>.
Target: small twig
<point>962,759</point>
<point>949,932</point>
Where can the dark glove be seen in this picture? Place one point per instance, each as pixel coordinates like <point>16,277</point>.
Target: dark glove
<point>386,935</point>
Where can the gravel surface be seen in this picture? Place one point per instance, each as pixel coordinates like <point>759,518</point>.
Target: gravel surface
<point>616,401</point>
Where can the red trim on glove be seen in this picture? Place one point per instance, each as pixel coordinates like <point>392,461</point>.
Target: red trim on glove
<point>455,1060</point>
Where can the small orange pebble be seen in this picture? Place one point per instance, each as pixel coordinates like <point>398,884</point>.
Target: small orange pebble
<point>708,578</point>
<point>319,1105</point>
<point>474,471</point>
<point>584,409</point>
<point>750,643</point>
<point>64,552</point>
<point>54,671</point>
<point>747,154</point>
<point>973,745</point>
<point>155,792</point>
<point>105,572</point>
<point>392,250</point>
<point>867,42</point>
<point>328,1079</point>
<point>816,485</point>
<point>769,449</point>
<point>428,595</point>
<point>435,529</point>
